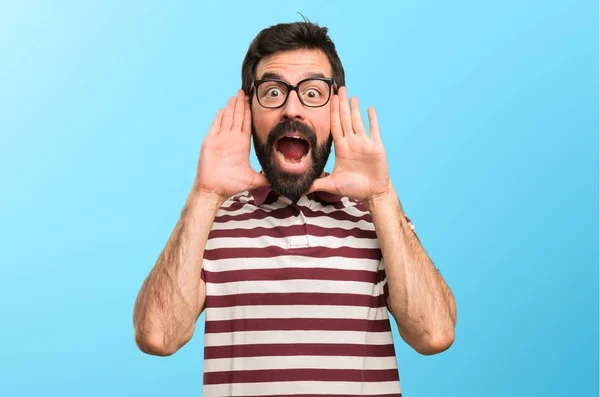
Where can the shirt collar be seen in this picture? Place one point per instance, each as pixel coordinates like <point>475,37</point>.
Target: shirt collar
<point>261,193</point>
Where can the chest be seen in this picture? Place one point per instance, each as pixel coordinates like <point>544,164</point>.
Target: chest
<point>293,256</point>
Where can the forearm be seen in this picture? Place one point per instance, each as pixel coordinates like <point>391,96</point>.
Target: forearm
<point>172,297</point>
<point>419,298</point>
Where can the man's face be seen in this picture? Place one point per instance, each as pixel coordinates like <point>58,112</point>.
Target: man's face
<point>292,142</point>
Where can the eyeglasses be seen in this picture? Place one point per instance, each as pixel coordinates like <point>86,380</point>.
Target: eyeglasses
<point>313,92</point>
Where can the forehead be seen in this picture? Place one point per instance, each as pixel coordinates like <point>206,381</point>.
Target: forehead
<point>296,65</point>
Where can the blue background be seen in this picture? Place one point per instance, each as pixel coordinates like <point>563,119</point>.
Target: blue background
<point>489,114</point>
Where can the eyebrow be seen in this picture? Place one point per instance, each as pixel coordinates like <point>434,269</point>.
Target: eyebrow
<point>272,75</point>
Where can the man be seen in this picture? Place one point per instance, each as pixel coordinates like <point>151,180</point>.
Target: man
<point>295,268</point>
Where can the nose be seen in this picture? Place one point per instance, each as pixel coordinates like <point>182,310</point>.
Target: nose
<point>293,108</point>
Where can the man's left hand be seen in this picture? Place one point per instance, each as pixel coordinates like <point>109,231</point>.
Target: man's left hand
<point>361,169</point>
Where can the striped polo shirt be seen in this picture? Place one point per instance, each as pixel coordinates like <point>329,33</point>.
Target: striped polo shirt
<point>296,300</point>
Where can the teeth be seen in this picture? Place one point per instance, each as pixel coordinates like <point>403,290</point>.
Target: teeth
<point>294,136</point>
<point>285,160</point>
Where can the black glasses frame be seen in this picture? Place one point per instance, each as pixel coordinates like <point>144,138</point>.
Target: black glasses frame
<point>290,88</point>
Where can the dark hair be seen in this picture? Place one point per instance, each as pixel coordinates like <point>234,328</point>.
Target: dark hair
<point>286,37</point>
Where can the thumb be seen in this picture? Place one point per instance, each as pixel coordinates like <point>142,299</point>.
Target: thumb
<point>258,180</point>
<point>325,184</point>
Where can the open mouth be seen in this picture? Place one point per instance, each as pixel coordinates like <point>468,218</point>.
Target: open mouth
<point>292,149</point>
<point>292,153</point>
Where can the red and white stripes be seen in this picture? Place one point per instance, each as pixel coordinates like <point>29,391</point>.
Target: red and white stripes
<point>296,302</point>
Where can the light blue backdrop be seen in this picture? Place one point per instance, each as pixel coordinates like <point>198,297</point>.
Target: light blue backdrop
<point>489,114</point>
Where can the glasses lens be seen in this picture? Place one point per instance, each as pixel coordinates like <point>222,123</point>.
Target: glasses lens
<point>314,92</point>
<point>271,94</point>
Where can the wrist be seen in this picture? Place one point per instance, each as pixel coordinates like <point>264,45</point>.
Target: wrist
<point>206,199</point>
<point>384,199</point>
<point>383,202</point>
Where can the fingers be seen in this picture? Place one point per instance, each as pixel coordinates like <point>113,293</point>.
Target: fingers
<point>345,116</point>
<point>216,124</point>
<point>238,112</point>
<point>247,126</point>
<point>349,115</point>
<point>357,123</point>
<point>374,125</point>
<point>335,124</point>
<point>234,114</point>
<point>228,115</point>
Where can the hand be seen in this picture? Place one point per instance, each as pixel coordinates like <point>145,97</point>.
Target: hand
<point>224,166</point>
<point>361,169</point>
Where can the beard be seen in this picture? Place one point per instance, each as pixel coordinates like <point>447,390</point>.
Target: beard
<point>292,186</point>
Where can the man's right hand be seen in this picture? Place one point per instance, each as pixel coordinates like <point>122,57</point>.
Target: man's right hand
<point>224,166</point>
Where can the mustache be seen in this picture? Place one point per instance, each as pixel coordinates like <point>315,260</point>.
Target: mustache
<point>296,126</point>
